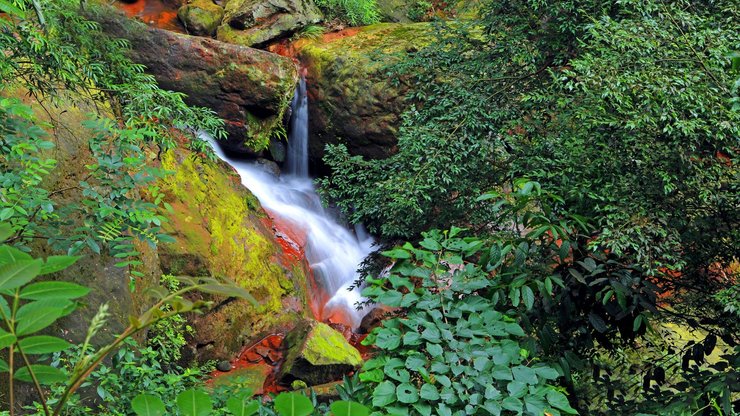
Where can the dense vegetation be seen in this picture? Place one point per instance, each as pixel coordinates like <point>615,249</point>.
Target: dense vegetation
<point>625,112</point>
<point>580,156</point>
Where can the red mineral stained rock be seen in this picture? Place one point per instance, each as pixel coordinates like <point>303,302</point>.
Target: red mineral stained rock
<point>252,356</point>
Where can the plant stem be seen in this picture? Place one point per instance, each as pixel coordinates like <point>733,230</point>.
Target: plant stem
<point>36,383</point>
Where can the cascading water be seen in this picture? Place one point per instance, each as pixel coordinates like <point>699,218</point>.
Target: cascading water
<point>332,251</point>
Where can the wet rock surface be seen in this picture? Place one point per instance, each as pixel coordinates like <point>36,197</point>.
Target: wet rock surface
<point>257,22</point>
<point>317,354</point>
<point>249,88</point>
<point>351,98</point>
<point>201,17</point>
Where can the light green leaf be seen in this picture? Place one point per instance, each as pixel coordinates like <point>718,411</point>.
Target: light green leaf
<point>293,404</point>
<point>57,263</point>
<point>13,275</point>
<point>6,230</point>
<point>44,374</point>
<point>429,392</point>
<point>43,344</point>
<point>4,366</point>
<point>194,402</point>
<point>239,406</point>
<point>10,9</point>
<point>397,253</point>
<point>407,393</point>
<point>384,394</point>
<point>10,254</point>
<point>148,405</point>
<point>346,408</point>
<point>53,290</point>
<point>37,315</point>
<point>558,400</point>
<point>6,339</point>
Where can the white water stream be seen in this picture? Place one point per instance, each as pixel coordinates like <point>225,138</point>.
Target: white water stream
<point>332,251</point>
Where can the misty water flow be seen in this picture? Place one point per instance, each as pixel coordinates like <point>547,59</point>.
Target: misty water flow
<point>332,250</point>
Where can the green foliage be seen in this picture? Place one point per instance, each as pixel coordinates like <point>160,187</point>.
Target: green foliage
<point>27,307</point>
<point>312,32</point>
<point>354,12</point>
<point>459,345</point>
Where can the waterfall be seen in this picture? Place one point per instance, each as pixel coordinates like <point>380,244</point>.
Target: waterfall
<point>297,158</point>
<point>332,251</point>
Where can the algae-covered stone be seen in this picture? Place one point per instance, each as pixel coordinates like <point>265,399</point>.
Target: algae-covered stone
<point>257,22</point>
<point>218,230</point>
<point>317,354</point>
<point>201,17</point>
<point>352,99</point>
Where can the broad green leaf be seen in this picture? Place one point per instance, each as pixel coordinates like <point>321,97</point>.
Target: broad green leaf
<point>57,263</point>
<point>6,213</point>
<point>10,9</point>
<point>558,400</point>
<point>44,374</point>
<point>6,230</point>
<point>13,275</point>
<point>6,339</point>
<point>194,402</point>
<point>53,290</point>
<point>240,406</point>
<point>227,290</point>
<point>397,253</point>
<point>293,404</point>
<point>346,408</point>
<point>42,344</point>
<point>407,393</point>
<point>4,366</point>
<point>37,315</point>
<point>10,254</point>
<point>388,339</point>
<point>384,394</point>
<point>148,405</point>
<point>429,392</point>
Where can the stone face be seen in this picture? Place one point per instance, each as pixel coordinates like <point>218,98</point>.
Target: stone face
<point>257,22</point>
<point>351,99</point>
<point>249,88</point>
<point>317,354</point>
<point>201,17</point>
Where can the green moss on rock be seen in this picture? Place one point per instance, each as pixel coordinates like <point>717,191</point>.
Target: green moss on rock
<point>201,17</point>
<point>353,99</point>
<point>317,354</point>
<point>215,221</point>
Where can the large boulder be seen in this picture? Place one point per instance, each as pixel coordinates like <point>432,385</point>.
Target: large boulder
<point>317,354</point>
<point>258,22</point>
<point>249,88</point>
<point>351,98</point>
<point>222,231</point>
<point>201,17</point>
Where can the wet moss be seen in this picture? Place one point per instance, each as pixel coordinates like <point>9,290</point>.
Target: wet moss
<point>216,219</point>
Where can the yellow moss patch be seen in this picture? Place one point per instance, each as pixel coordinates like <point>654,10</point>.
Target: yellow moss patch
<point>214,219</point>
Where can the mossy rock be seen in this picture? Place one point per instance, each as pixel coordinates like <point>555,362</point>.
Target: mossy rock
<point>218,228</point>
<point>257,22</point>
<point>201,17</point>
<point>249,88</point>
<point>352,99</point>
<point>317,354</point>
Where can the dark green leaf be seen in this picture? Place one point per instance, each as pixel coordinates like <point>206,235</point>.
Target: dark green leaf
<point>53,290</point>
<point>42,344</point>
<point>44,374</point>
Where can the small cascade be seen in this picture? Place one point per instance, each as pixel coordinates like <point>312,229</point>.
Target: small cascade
<point>297,157</point>
<point>332,251</point>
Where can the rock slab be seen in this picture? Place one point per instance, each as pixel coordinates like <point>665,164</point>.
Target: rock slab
<point>317,354</point>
